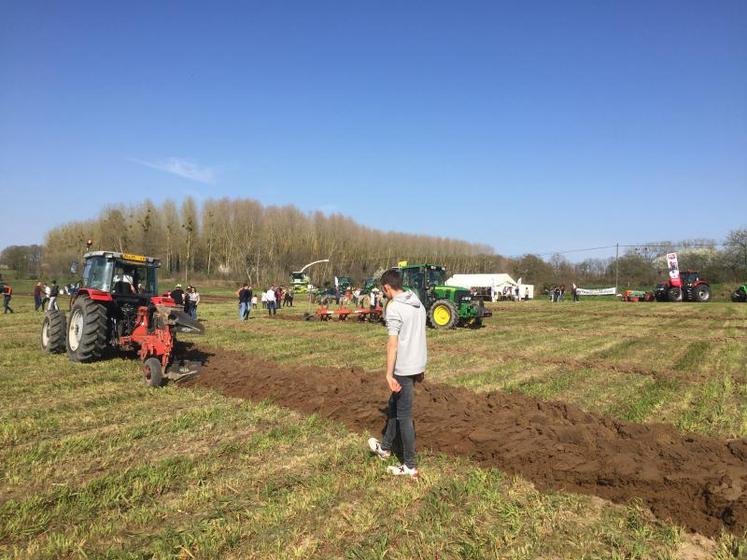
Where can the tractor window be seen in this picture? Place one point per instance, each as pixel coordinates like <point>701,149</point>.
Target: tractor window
<point>436,277</point>
<point>97,274</point>
<point>414,279</point>
<point>689,277</point>
<point>134,279</point>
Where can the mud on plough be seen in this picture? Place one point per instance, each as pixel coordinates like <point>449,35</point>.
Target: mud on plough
<point>360,314</point>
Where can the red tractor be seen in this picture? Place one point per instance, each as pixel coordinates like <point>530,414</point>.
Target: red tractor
<point>118,307</point>
<point>688,287</point>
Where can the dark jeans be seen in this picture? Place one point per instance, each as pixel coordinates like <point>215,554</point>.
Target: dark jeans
<point>400,414</point>
<point>38,303</point>
<point>271,308</point>
<point>6,305</point>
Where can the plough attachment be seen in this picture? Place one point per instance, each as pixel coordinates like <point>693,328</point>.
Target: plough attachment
<point>361,314</point>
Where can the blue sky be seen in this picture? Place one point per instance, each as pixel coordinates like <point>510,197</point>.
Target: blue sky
<point>532,127</point>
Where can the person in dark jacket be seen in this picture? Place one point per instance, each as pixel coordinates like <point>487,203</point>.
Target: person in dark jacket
<point>177,294</point>
<point>245,302</point>
<point>38,292</point>
<point>187,303</point>
<point>7,294</point>
<point>53,293</point>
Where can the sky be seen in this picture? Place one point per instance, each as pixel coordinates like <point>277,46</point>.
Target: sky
<point>530,127</point>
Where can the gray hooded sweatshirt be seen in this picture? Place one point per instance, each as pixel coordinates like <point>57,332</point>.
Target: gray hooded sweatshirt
<point>405,319</point>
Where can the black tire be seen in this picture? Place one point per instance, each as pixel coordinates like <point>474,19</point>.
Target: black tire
<point>702,293</point>
<point>152,374</point>
<point>86,332</point>
<point>674,294</point>
<point>437,314</point>
<point>53,332</point>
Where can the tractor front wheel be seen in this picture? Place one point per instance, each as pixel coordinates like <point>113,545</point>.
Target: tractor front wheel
<point>152,372</point>
<point>53,332</point>
<point>674,294</point>
<point>702,293</point>
<point>443,314</point>
<point>86,333</point>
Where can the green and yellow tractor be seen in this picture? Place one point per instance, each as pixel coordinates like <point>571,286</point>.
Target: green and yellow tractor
<point>447,306</point>
<point>740,294</point>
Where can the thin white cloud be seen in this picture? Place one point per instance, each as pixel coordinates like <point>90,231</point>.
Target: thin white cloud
<point>182,168</point>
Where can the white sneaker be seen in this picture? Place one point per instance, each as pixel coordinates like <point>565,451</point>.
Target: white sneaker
<point>403,470</point>
<point>375,446</point>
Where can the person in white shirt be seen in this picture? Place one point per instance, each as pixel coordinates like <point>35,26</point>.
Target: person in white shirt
<point>271,301</point>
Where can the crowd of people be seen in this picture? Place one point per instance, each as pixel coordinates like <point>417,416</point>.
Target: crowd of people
<point>271,299</point>
<point>557,293</point>
<point>45,296</point>
<point>189,299</point>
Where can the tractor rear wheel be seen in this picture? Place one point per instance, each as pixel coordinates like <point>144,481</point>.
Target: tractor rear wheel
<point>86,333</point>
<point>152,374</point>
<point>702,293</point>
<point>674,294</point>
<point>53,332</point>
<point>443,314</point>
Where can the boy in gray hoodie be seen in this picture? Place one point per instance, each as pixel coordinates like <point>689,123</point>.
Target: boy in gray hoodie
<point>406,356</point>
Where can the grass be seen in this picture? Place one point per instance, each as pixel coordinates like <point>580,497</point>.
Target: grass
<point>95,465</point>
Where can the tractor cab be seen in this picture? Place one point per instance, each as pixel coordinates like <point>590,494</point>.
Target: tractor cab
<point>121,274</point>
<point>423,279</point>
<point>689,277</point>
<point>300,282</point>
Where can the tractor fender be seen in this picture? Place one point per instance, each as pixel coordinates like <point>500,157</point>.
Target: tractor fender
<point>92,294</point>
<point>165,301</point>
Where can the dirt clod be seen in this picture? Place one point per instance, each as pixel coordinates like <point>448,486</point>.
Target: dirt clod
<point>694,481</point>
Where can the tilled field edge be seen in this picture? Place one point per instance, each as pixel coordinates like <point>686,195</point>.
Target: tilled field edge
<point>694,481</point>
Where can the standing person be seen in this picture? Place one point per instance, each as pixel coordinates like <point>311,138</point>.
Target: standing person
<point>187,301</point>
<point>194,300</point>
<point>38,290</point>
<point>264,300</point>
<point>406,357</point>
<point>271,301</point>
<point>254,302</point>
<point>54,291</point>
<point>7,294</point>
<point>46,290</point>
<point>245,302</point>
<point>372,299</point>
<point>177,294</point>
<point>278,297</point>
<point>289,296</point>
<point>574,291</point>
<point>518,293</point>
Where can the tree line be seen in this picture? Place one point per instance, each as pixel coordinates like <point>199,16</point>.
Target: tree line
<point>241,240</point>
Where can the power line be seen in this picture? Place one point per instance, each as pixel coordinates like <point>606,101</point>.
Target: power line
<point>660,244</point>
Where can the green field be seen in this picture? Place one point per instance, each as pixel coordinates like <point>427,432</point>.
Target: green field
<point>96,465</point>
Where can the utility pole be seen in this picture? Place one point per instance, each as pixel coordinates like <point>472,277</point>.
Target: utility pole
<point>617,266</point>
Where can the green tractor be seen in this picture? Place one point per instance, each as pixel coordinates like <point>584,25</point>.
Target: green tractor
<point>740,294</point>
<point>447,306</point>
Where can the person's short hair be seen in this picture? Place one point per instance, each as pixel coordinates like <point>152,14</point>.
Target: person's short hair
<point>393,278</point>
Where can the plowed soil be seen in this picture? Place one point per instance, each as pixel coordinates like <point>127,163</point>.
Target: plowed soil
<point>697,482</point>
